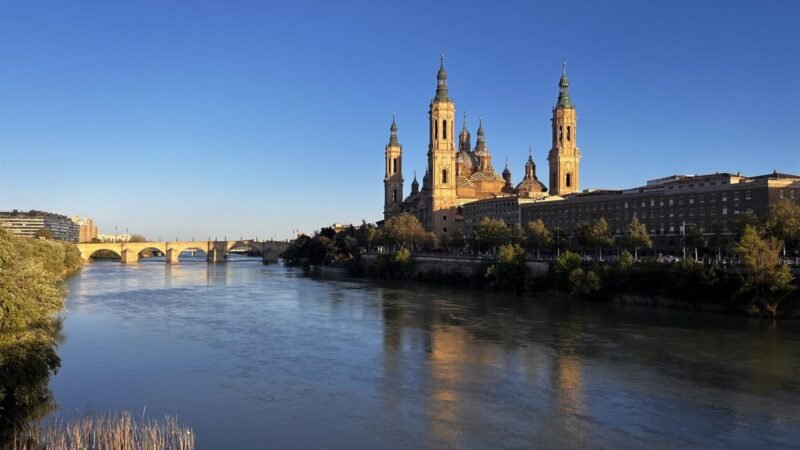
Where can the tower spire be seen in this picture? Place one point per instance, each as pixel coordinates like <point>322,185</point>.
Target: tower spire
<point>393,133</point>
<point>441,81</point>
<point>563,88</point>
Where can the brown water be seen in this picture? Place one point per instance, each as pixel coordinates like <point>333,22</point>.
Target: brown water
<point>255,356</point>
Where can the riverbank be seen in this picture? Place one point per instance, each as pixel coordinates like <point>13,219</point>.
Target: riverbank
<point>687,285</point>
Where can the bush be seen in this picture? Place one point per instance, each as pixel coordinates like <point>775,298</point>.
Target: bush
<point>509,271</point>
<point>625,260</point>
<point>567,262</point>
<point>583,282</point>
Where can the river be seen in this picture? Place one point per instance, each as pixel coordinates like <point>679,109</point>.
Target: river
<point>255,356</point>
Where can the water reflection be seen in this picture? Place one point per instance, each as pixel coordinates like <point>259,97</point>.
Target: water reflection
<point>27,360</point>
<point>252,356</point>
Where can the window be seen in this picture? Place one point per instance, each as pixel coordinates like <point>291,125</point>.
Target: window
<point>394,196</point>
<point>747,195</point>
<point>652,202</point>
<point>569,180</point>
<point>691,200</point>
<point>444,217</point>
<point>561,134</point>
<point>724,197</point>
<point>394,165</point>
<point>569,137</point>
<point>444,229</point>
<point>436,129</point>
<point>444,129</point>
<point>724,210</point>
<point>780,193</point>
<point>444,176</point>
<point>670,202</point>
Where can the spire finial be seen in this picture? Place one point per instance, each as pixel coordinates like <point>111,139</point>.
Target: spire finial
<point>530,151</point>
<point>465,120</point>
<point>506,161</point>
<point>564,66</point>
<point>441,57</point>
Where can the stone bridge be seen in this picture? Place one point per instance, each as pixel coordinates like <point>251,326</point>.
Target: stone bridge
<point>216,251</point>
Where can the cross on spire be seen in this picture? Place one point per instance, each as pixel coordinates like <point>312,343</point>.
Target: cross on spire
<point>563,66</point>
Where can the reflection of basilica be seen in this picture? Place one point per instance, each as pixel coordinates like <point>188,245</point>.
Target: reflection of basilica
<point>470,371</point>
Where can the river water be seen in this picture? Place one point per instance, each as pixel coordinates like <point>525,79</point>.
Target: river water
<point>255,356</point>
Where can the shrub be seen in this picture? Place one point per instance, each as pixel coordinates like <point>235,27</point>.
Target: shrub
<point>583,282</point>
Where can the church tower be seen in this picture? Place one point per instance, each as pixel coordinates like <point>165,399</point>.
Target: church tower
<point>442,159</point>
<point>393,180</point>
<point>564,156</point>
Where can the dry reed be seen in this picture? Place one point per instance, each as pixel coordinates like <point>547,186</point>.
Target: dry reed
<point>108,432</point>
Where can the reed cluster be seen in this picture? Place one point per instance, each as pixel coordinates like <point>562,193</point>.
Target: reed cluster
<point>108,432</point>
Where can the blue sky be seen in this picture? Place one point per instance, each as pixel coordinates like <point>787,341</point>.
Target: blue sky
<point>198,119</point>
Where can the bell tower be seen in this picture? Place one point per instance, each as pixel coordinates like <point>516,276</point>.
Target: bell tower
<point>564,156</point>
<point>393,180</point>
<point>442,158</point>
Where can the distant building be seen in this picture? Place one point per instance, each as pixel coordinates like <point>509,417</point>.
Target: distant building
<point>712,203</point>
<point>27,223</point>
<point>114,237</point>
<point>339,227</point>
<point>88,230</point>
<point>506,209</point>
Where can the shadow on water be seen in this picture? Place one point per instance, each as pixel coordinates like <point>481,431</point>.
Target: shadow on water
<point>27,361</point>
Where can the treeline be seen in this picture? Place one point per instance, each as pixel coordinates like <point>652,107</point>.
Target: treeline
<point>31,293</point>
<point>762,284</point>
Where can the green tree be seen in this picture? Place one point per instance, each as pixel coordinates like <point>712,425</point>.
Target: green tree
<point>636,237</point>
<point>509,270</point>
<point>491,233</point>
<point>694,239</point>
<point>404,230</point>
<point>721,239</point>
<point>516,235</point>
<point>594,235</point>
<point>625,259</point>
<point>767,279</point>
<point>539,236</point>
<point>137,238</point>
<point>44,233</point>
<point>583,282</point>
<point>783,222</point>
<point>31,293</point>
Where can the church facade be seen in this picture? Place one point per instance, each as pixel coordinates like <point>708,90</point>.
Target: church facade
<point>458,173</point>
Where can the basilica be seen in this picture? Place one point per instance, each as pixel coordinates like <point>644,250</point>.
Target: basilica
<point>458,173</point>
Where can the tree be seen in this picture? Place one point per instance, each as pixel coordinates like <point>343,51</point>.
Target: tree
<point>594,235</point>
<point>694,238</point>
<point>636,237</point>
<point>516,235</point>
<point>783,222</point>
<point>625,259</point>
<point>137,238</point>
<point>768,279</point>
<point>491,233</point>
<point>539,236</point>
<point>721,239</point>
<point>404,230</point>
<point>44,233</point>
<point>509,268</point>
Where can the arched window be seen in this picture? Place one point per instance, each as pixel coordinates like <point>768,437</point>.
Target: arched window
<point>560,133</point>
<point>569,180</point>
<point>444,176</point>
<point>436,129</point>
<point>394,196</point>
<point>444,129</point>
<point>569,138</point>
<point>394,164</point>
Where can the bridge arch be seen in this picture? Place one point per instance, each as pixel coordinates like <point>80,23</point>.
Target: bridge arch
<point>88,254</point>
